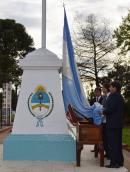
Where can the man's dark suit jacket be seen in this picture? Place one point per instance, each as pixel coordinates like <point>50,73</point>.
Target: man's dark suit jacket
<point>114,110</point>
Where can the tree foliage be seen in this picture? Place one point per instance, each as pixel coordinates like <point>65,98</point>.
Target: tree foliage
<point>92,46</point>
<point>121,73</point>
<point>15,43</point>
<point>122,35</point>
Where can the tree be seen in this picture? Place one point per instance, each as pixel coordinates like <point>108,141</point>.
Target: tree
<point>122,35</point>
<point>121,73</point>
<point>14,100</point>
<point>15,43</point>
<point>6,64</point>
<point>92,46</point>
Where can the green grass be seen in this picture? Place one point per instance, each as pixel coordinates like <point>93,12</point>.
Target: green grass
<point>126,136</point>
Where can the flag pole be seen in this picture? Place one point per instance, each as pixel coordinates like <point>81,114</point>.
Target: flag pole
<point>43,23</point>
<point>63,4</point>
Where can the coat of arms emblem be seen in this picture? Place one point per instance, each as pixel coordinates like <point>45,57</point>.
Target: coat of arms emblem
<point>40,104</point>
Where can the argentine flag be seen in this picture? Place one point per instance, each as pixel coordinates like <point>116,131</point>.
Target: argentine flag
<point>73,93</point>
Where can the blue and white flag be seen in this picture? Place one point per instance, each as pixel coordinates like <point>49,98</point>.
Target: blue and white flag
<point>73,93</point>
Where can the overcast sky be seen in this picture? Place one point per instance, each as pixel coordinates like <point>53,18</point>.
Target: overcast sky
<point>28,13</point>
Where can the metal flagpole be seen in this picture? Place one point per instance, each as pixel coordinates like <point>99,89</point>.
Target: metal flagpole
<point>43,23</point>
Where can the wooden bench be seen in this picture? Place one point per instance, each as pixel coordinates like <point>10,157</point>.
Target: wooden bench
<point>87,133</point>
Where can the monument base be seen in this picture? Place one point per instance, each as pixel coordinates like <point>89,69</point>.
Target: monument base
<point>47,147</point>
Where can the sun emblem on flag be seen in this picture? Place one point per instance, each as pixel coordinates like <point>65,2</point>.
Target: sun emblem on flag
<point>40,104</point>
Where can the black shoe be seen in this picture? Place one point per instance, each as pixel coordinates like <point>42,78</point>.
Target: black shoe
<point>113,166</point>
<point>121,164</point>
<point>93,150</point>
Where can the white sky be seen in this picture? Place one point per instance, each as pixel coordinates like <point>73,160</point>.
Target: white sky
<point>28,13</point>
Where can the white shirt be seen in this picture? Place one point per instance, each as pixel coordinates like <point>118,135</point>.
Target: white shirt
<point>98,98</point>
<point>108,95</point>
<point>104,118</point>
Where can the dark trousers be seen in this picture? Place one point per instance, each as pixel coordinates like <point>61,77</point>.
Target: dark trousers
<point>114,139</point>
<point>105,142</point>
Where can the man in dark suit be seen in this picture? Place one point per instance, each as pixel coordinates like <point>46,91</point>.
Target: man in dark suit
<point>106,93</point>
<point>114,123</point>
<point>97,96</point>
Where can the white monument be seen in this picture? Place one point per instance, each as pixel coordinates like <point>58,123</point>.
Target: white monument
<point>40,130</point>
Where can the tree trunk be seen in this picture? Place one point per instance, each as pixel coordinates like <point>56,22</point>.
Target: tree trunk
<point>95,62</point>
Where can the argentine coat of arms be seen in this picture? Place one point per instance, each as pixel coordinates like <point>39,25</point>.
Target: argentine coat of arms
<point>40,104</point>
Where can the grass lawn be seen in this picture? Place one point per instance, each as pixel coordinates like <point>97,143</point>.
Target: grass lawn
<point>126,135</point>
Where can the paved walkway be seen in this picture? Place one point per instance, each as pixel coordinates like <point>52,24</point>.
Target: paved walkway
<point>127,159</point>
<point>88,164</point>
